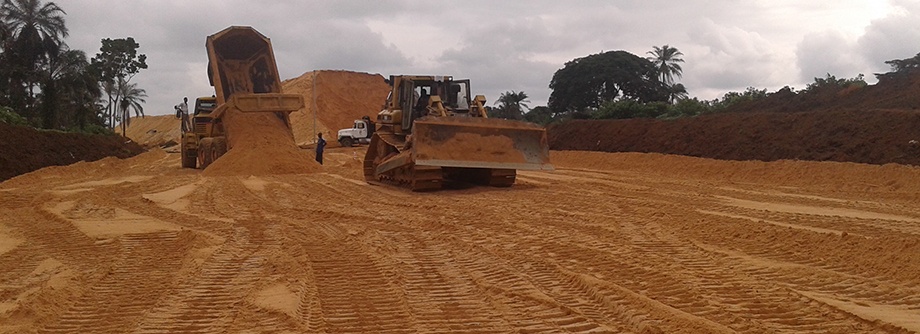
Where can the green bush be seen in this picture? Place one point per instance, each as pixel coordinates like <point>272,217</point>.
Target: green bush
<point>732,98</point>
<point>689,108</point>
<point>9,117</point>
<point>624,109</point>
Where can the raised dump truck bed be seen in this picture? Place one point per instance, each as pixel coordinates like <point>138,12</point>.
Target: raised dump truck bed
<point>242,69</point>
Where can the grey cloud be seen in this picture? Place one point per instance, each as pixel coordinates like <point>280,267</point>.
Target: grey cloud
<point>825,53</point>
<point>501,45</point>
<point>731,58</point>
<point>493,73</point>
<point>892,37</point>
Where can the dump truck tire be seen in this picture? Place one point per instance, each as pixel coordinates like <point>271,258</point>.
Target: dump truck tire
<point>189,157</point>
<point>204,152</point>
<point>218,148</point>
<point>347,142</point>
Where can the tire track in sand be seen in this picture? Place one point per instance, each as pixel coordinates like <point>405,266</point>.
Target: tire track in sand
<point>141,274</point>
<point>353,291</point>
<point>682,275</point>
<point>204,302</point>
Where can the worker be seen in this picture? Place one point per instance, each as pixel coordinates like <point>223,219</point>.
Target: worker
<point>320,146</point>
<point>182,114</point>
<point>421,104</point>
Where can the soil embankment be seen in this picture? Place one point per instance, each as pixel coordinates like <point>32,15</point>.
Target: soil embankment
<point>24,149</point>
<point>864,136</point>
<point>877,124</point>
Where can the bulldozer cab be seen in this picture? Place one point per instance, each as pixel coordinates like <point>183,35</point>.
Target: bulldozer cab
<point>414,96</point>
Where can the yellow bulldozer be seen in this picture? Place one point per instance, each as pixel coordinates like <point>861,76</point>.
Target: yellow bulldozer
<point>430,132</point>
<point>244,75</point>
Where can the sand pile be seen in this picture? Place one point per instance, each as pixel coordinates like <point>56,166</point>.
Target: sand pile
<point>260,145</point>
<point>341,98</point>
<point>154,131</point>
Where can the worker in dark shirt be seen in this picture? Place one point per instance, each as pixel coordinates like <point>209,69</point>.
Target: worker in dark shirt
<point>320,146</point>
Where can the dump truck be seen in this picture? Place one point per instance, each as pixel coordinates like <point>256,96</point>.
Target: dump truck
<point>432,132</point>
<point>243,72</point>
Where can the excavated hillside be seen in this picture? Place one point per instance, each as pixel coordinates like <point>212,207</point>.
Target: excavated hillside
<point>340,98</point>
<point>24,149</point>
<point>877,124</point>
<point>154,131</point>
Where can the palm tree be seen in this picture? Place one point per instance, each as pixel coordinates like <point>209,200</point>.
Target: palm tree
<point>130,98</point>
<point>666,60</point>
<point>68,88</point>
<point>27,17</point>
<point>31,27</point>
<point>677,92</point>
<point>512,105</point>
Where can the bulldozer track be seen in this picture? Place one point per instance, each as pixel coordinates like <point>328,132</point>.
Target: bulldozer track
<point>579,250</point>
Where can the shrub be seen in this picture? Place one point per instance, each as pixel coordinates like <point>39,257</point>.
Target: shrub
<point>9,117</point>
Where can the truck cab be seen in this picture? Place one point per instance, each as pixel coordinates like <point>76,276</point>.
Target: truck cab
<point>360,133</point>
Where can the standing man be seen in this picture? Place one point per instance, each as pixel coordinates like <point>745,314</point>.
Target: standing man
<point>320,146</point>
<point>182,113</point>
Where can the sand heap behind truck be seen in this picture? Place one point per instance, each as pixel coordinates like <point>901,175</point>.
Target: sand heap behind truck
<point>247,118</point>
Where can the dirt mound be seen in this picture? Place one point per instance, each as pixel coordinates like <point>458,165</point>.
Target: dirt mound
<point>341,98</point>
<point>154,131</point>
<point>864,136</point>
<point>24,149</point>
<point>260,145</point>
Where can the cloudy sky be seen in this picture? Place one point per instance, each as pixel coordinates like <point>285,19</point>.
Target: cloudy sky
<point>728,45</point>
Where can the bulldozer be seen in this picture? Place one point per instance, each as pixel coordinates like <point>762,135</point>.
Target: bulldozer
<point>243,72</point>
<point>430,132</point>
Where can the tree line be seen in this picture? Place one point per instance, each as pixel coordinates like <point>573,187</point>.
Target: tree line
<point>44,83</point>
<point>592,82</point>
<point>620,85</point>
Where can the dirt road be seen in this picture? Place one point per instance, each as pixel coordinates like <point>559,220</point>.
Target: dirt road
<point>623,243</point>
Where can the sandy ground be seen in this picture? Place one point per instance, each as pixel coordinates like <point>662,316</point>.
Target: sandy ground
<point>622,243</point>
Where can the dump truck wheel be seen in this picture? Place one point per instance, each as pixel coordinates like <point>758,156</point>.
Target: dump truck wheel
<point>347,142</point>
<point>189,157</point>
<point>218,148</point>
<point>204,152</point>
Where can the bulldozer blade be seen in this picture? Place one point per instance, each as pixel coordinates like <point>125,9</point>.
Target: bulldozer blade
<point>473,142</point>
